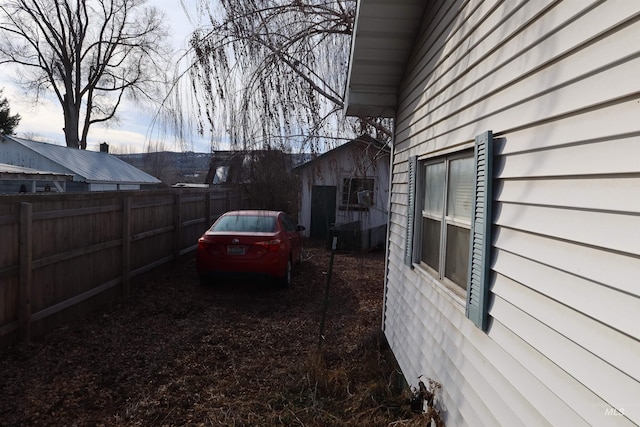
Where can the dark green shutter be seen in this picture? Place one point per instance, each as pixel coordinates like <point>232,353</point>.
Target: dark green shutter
<point>480,248</point>
<point>411,208</point>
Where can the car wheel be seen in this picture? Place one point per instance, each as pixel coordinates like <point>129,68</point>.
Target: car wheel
<point>204,280</point>
<point>286,280</point>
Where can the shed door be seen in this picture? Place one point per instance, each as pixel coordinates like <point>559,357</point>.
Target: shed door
<point>323,210</point>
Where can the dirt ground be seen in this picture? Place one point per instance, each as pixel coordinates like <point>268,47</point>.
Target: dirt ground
<point>234,354</point>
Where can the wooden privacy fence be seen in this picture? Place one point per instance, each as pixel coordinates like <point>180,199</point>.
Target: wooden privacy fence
<point>62,255</point>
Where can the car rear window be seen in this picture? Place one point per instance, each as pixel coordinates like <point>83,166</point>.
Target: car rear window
<point>246,223</point>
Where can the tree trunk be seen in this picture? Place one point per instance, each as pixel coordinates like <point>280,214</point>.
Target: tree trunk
<point>71,122</point>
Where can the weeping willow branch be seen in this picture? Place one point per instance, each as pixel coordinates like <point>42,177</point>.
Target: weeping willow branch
<point>268,70</point>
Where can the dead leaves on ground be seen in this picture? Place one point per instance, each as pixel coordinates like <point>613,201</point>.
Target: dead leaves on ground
<point>233,354</point>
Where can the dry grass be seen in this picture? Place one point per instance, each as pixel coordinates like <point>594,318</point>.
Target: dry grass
<point>235,354</point>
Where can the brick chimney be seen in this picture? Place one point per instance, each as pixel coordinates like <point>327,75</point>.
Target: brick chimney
<point>104,147</point>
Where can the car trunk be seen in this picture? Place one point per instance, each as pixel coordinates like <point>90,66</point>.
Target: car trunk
<point>240,246</point>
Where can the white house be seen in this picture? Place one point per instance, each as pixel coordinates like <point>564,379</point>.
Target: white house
<point>513,257</point>
<point>90,170</point>
<point>345,193</point>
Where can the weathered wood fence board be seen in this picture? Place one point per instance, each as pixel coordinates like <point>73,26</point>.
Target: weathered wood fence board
<point>62,255</point>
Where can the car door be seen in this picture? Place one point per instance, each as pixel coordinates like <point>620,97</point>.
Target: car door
<point>294,236</point>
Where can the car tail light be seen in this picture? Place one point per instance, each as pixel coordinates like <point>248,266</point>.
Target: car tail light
<point>205,244</point>
<point>270,245</point>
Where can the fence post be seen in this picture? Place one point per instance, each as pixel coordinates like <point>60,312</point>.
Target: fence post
<point>177,223</point>
<point>126,245</point>
<point>26,261</point>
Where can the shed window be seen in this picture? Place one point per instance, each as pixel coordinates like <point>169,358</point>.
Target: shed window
<point>357,191</point>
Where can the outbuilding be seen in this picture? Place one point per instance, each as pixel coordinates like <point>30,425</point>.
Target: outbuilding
<point>90,170</point>
<point>345,194</point>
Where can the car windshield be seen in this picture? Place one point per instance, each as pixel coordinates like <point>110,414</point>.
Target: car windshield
<point>246,223</point>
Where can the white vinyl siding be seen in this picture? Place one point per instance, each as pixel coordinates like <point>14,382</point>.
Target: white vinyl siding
<point>559,84</point>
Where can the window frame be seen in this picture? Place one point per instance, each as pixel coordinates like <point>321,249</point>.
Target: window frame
<point>347,186</point>
<point>443,218</point>
<point>479,274</point>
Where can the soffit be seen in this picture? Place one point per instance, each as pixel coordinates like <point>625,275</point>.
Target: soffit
<point>383,38</point>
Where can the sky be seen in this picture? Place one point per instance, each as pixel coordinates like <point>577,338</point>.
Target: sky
<point>130,134</point>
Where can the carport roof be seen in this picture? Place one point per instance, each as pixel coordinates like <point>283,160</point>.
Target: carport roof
<point>13,172</point>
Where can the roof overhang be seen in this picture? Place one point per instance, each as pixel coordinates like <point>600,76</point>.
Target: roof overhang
<point>12,172</point>
<point>383,38</point>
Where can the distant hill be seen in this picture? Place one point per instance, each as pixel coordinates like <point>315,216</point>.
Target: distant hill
<point>171,167</point>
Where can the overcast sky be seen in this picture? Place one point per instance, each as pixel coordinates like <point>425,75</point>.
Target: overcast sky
<point>45,121</point>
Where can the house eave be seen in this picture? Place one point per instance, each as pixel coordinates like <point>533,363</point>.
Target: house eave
<point>383,36</point>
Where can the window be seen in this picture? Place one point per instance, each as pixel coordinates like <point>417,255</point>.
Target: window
<point>449,221</point>
<point>242,223</point>
<point>357,191</point>
<point>446,217</point>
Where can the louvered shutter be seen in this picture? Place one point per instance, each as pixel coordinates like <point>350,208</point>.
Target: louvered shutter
<point>411,209</point>
<point>480,247</point>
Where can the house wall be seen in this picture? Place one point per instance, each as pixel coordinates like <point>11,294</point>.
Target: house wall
<point>558,82</point>
<point>112,186</point>
<point>129,187</point>
<point>356,161</point>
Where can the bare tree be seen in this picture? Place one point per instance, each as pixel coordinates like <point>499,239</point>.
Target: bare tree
<point>274,71</point>
<point>90,53</point>
<point>268,181</point>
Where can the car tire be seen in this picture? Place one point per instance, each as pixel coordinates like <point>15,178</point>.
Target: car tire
<point>285,281</point>
<point>204,280</point>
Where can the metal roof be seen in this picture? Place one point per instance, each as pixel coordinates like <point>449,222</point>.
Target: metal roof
<point>383,38</point>
<point>19,172</point>
<point>89,166</point>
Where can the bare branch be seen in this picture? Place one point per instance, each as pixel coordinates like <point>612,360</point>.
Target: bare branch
<point>271,69</point>
<point>91,53</point>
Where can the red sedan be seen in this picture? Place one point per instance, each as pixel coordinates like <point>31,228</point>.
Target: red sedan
<point>251,243</point>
